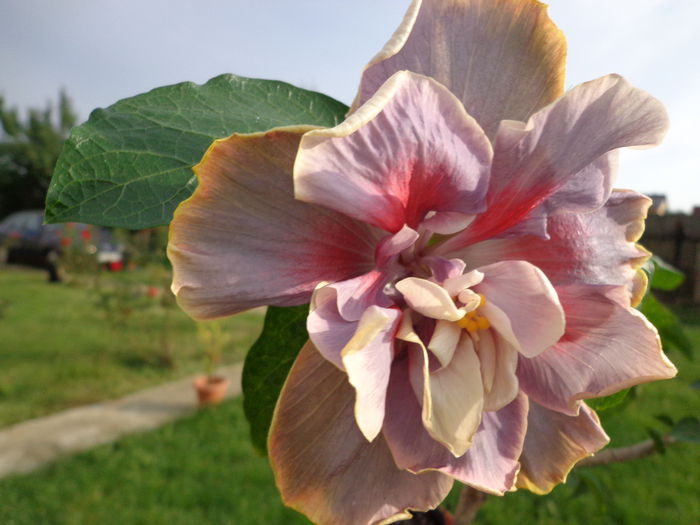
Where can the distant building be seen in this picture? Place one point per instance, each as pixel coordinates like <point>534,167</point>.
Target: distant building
<point>696,211</point>
<point>659,205</point>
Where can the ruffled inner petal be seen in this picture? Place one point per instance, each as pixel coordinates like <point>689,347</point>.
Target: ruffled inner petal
<point>367,360</point>
<point>593,248</point>
<point>429,299</point>
<point>453,399</point>
<point>564,160</point>
<point>409,151</point>
<point>528,300</point>
<point>491,463</point>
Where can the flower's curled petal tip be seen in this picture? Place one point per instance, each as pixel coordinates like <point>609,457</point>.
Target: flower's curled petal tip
<point>458,283</point>
<point>372,166</point>
<point>327,328</point>
<point>638,288</point>
<point>242,240</point>
<point>504,60</point>
<point>529,301</point>
<point>447,223</point>
<point>554,444</point>
<point>444,341</point>
<point>453,398</point>
<point>367,360</point>
<point>429,299</point>
<point>318,454</point>
<point>393,245</point>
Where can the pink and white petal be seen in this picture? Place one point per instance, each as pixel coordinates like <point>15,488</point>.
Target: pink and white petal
<point>359,293</point>
<point>367,360</point>
<point>443,269</point>
<point>593,248</point>
<point>328,330</point>
<point>607,347</point>
<point>500,323</point>
<point>491,463</point>
<point>447,222</point>
<point>318,454</point>
<point>504,60</point>
<point>559,155</point>
<point>410,150</point>
<point>584,192</point>
<point>429,299</point>
<point>454,285</point>
<point>528,299</point>
<point>242,240</point>
<point>554,444</point>
<point>453,399</point>
<point>498,361</point>
<point>444,341</point>
<point>392,245</point>
<point>587,190</point>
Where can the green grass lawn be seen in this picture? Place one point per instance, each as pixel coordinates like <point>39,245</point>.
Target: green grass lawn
<point>68,344</point>
<point>202,471</point>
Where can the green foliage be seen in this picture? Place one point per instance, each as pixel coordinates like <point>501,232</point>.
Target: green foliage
<point>199,471</point>
<point>607,402</point>
<point>267,364</point>
<point>658,440</point>
<point>687,429</point>
<point>130,165</point>
<point>667,323</point>
<point>60,348</point>
<point>29,148</point>
<point>203,470</point>
<point>662,275</point>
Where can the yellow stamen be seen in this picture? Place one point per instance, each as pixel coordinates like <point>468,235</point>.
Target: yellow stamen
<point>472,326</point>
<point>472,321</point>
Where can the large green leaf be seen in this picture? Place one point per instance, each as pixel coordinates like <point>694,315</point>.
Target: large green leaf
<point>607,402</point>
<point>664,276</point>
<point>130,165</point>
<point>267,364</point>
<point>687,429</point>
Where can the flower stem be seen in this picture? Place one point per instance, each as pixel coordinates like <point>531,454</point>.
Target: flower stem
<point>622,454</point>
<point>470,501</point>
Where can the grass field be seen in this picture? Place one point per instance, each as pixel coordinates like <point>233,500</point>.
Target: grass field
<point>202,471</point>
<point>63,345</point>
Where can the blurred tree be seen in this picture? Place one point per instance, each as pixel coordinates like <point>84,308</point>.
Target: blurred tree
<point>29,149</point>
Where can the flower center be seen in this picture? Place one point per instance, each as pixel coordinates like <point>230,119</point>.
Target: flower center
<point>473,320</point>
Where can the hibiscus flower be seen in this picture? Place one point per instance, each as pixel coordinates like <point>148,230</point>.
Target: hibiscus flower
<point>471,272</point>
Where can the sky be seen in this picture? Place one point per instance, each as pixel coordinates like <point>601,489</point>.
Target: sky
<point>100,51</point>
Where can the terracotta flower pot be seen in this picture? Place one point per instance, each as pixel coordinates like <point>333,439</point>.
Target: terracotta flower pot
<point>210,389</point>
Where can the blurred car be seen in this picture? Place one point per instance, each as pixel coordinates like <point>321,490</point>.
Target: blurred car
<point>25,239</point>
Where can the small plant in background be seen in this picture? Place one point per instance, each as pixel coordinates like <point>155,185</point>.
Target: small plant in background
<point>211,388</point>
<point>212,338</point>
